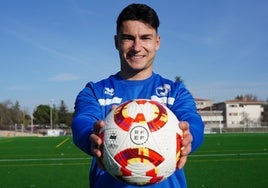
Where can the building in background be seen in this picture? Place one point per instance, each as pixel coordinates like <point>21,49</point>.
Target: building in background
<point>242,113</point>
<point>236,113</point>
<point>211,117</point>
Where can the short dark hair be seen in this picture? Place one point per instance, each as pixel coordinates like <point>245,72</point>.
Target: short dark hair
<point>140,12</point>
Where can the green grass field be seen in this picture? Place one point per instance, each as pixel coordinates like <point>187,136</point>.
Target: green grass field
<point>227,160</point>
<point>230,160</point>
<point>42,162</point>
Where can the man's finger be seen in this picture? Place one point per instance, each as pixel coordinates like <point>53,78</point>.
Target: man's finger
<point>182,162</point>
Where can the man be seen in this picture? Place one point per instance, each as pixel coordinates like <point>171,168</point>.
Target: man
<point>137,42</point>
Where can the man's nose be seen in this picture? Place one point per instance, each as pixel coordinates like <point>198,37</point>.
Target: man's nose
<point>137,45</point>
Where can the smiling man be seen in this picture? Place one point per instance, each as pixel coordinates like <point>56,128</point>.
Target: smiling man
<point>137,41</point>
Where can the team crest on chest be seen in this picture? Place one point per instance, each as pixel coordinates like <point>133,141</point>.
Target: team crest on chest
<point>162,91</point>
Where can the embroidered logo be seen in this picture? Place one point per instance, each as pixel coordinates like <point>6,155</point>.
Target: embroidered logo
<point>109,91</point>
<point>162,91</point>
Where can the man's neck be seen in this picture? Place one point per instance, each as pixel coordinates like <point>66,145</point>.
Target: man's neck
<point>139,75</point>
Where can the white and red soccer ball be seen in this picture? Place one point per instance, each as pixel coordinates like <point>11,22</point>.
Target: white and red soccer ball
<point>141,142</point>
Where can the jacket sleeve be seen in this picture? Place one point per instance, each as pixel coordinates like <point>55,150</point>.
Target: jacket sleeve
<point>185,109</point>
<point>87,112</point>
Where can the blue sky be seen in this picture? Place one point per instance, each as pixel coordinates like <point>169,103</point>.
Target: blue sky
<point>51,49</point>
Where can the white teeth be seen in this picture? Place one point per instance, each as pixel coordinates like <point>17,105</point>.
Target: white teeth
<point>137,57</point>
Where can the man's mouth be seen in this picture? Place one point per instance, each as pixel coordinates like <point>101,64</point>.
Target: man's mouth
<point>136,57</point>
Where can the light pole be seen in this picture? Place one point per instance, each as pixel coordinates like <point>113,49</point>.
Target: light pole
<point>51,121</point>
<point>32,123</point>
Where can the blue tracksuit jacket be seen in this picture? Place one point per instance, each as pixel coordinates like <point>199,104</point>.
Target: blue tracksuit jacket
<point>94,102</point>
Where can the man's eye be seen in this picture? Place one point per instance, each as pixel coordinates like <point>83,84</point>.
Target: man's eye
<point>146,38</point>
<point>127,37</point>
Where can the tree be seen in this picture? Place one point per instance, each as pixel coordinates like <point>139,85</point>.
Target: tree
<point>247,97</point>
<point>5,118</point>
<point>27,119</point>
<point>42,115</point>
<point>69,118</point>
<point>16,113</point>
<point>10,114</point>
<point>62,113</point>
<point>64,116</point>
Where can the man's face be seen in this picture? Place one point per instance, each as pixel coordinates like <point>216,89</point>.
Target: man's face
<point>137,44</point>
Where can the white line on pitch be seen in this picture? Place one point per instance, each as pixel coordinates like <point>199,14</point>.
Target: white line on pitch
<point>44,159</point>
<point>227,154</point>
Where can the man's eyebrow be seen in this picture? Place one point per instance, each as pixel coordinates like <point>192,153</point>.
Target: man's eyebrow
<point>147,35</point>
<point>126,35</point>
<point>129,35</point>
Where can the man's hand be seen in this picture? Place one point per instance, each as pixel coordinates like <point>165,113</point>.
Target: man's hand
<point>186,143</point>
<point>96,142</point>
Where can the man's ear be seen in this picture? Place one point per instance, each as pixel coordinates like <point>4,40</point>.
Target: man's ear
<point>157,43</point>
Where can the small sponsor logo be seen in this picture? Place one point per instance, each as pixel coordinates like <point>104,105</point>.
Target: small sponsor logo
<point>109,91</point>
